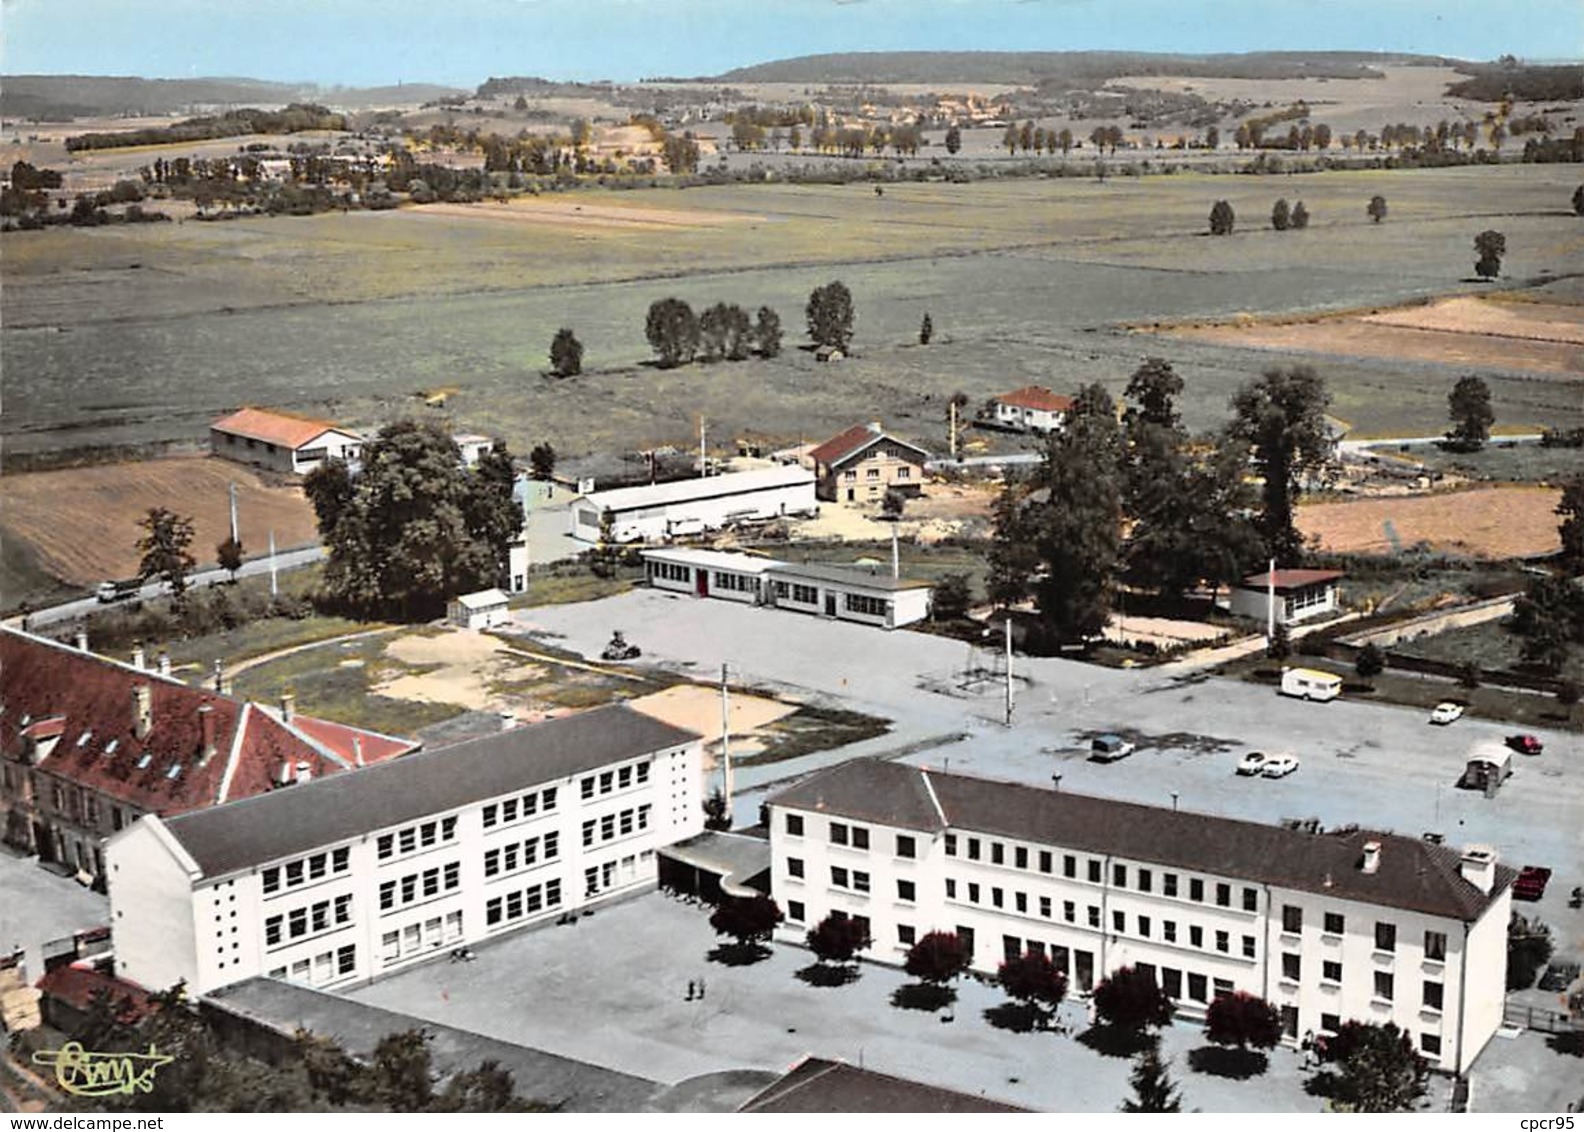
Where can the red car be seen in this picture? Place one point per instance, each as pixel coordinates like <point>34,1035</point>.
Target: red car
<point>1525,744</point>
<point>1531,882</point>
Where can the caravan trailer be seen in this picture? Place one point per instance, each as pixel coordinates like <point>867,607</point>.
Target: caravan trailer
<point>1310,684</point>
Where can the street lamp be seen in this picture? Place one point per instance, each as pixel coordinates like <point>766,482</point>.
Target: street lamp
<point>1174,801</point>
<point>1056,782</point>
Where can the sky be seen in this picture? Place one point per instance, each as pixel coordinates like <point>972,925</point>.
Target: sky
<point>462,42</point>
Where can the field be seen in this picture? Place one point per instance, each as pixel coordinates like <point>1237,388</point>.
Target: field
<point>81,523</point>
<point>1487,523</point>
<point>139,334</point>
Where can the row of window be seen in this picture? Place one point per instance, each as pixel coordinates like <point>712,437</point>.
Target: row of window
<point>1435,943</point>
<point>524,855</point>
<point>670,571</point>
<point>306,870</point>
<point>420,886</point>
<point>803,595</point>
<point>520,809</point>
<point>867,606</point>
<point>612,826</point>
<point>525,902</point>
<point>322,968</point>
<point>425,835</point>
<point>742,583</point>
<point>420,937</point>
<point>621,778</point>
<point>311,919</point>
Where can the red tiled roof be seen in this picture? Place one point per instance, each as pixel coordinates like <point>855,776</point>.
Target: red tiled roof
<point>1036,397</point>
<point>351,743</point>
<point>1291,579</point>
<point>273,427</point>
<point>165,772</point>
<point>854,440</point>
<point>77,986</point>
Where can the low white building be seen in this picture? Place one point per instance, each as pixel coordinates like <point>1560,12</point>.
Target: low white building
<point>472,447</point>
<point>1327,927</point>
<point>483,610</point>
<point>1032,409</point>
<point>851,593</point>
<point>282,442</point>
<point>656,512</point>
<point>708,573</point>
<point>1297,595</point>
<point>342,879</point>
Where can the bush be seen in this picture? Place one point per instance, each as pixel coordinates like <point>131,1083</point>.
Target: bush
<point>1371,661</point>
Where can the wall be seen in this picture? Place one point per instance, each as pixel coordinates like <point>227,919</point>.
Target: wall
<point>868,476</point>
<point>151,909</point>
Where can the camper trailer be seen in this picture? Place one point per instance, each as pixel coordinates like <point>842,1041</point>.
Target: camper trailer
<point>1489,765</point>
<point>1310,684</point>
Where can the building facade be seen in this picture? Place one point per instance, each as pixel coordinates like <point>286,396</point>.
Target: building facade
<point>849,593</point>
<point>861,464</point>
<point>656,512</point>
<point>708,573</point>
<point>1327,927</point>
<point>281,442</point>
<point>356,876</point>
<point>1030,409</point>
<point>1295,595</point>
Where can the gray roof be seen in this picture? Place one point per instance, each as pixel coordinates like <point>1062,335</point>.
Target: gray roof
<point>869,577</point>
<point>297,819</point>
<point>1413,874</point>
<point>817,1084</point>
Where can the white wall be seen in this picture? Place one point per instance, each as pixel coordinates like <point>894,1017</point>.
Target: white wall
<point>655,523</point>
<point>151,910</point>
<point>1485,962</point>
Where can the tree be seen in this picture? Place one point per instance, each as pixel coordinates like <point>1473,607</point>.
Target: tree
<point>1244,1021</point>
<point>926,330</point>
<point>1490,245</point>
<point>749,921</point>
<point>1153,1089</point>
<point>1282,418</point>
<point>542,460</point>
<point>953,139</point>
<point>1012,559</point>
<point>951,599</point>
<point>1010,137</point>
<point>830,315</point>
<point>1578,201</point>
<point>411,537</point>
<point>1469,407</point>
<point>1132,1001</point>
<point>1371,661</point>
<point>1529,948</point>
<point>724,332</point>
<point>494,517</point>
<point>1065,140</point>
<point>1571,529</point>
<point>838,939</point>
<point>1279,647</point>
<point>767,333</point>
<point>1300,216</point>
<point>1033,980</point>
<point>1221,219</point>
<point>673,332</point>
<point>329,488</point>
<point>937,958</point>
<point>1281,215</point>
<point>1377,208</point>
<point>566,354</point>
<point>1549,616</point>
<point>1378,1069</point>
<point>165,550</point>
<point>228,553</point>
<point>680,153</point>
<point>1213,138</point>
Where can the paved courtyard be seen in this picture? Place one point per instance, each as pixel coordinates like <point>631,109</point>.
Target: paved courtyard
<point>36,906</point>
<point>612,990</point>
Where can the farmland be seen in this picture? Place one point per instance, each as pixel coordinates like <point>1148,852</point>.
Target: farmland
<point>1497,522</point>
<point>138,334</point>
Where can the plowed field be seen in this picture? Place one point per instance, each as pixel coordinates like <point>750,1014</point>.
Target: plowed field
<point>1500,522</point>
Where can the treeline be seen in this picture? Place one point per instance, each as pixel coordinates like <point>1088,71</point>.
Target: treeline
<point>1507,79</point>
<point>293,119</point>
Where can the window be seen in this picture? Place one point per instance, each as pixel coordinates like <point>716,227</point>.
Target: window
<point>907,936</point>
<point>838,833</point>
<point>1119,876</point>
<point>1292,918</point>
<point>795,911</point>
<point>860,881</point>
<point>1223,941</point>
<point>1333,923</point>
<point>867,606</point>
<point>1146,880</point>
<point>346,959</point>
<point>951,845</point>
<point>906,890</point>
<point>492,862</point>
<point>1292,966</point>
<point>1169,884</point>
<point>951,889</point>
<point>1118,921</point>
<point>1251,900</point>
<point>1223,896</point>
<point>1196,890</point>
<point>973,893</point>
<point>973,848</point>
<point>294,873</point>
<point>794,866</point>
<point>271,880</point>
<point>1248,947</point>
<point>492,912</point>
<point>997,853</point>
<point>387,896</point>
<point>1432,995</point>
<point>341,859</point>
<point>1171,982</point>
<point>272,931</point>
<point>390,946</point>
<point>1383,985</point>
<point>1094,872</point>
<point>1020,901</point>
<point>1144,926</point>
<point>1094,915</point>
<point>1430,1043</point>
<point>1195,935</point>
<point>1198,987</point>
<point>297,923</point>
<point>996,897</point>
<point>1069,865</point>
<point>1219,987</point>
<point>839,876</point>
<point>860,837</point>
<point>343,909</point>
<point>906,847</point>
<point>1331,971</point>
<point>1385,937</point>
<point>1435,946</point>
<point>1069,911</point>
<point>794,825</point>
<point>1330,1023</point>
<point>491,816</point>
<point>1169,931</point>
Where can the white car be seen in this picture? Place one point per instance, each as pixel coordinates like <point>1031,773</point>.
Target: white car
<point>1279,766</point>
<point>1447,712</point>
<point>1253,762</point>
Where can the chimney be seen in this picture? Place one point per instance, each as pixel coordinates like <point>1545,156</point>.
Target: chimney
<point>1372,854</point>
<point>142,710</point>
<point>164,663</point>
<point>82,640</point>
<point>304,773</point>
<point>1478,866</point>
<point>288,706</point>
<point>137,655</point>
<point>876,427</point>
<point>508,720</point>
<point>357,749</point>
<point>219,675</point>
<point>206,725</point>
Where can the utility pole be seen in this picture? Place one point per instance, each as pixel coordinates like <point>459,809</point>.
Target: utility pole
<point>703,451</point>
<point>274,588</point>
<point>726,767</point>
<point>953,407</point>
<point>896,558</point>
<point>1270,604</point>
<point>1009,670</point>
<point>234,536</point>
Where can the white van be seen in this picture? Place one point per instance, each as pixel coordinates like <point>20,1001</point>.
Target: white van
<point>1310,684</point>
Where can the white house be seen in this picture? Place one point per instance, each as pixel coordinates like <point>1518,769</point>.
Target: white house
<point>852,593</point>
<point>1298,595</point>
<point>340,880</point>
<point>708,573</point>
<point>280,441</point>
<point>1326,926</point>
<point>655,512</point>
<point>1032,408</point>
<point>472,446</point>
<point>483,610</point>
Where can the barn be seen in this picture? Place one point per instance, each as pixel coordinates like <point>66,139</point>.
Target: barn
<point>657,512</point>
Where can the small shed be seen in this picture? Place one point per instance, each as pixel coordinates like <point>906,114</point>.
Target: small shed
<point>1298,595</point>
<point>483,610</point>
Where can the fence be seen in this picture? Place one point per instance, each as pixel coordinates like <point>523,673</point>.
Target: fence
<point>1539,1018</point>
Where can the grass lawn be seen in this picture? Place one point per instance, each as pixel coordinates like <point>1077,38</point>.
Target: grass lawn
<point>1501,461</point>
<point>1488,645</point>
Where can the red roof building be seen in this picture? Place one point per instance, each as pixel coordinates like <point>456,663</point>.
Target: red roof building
<point>284,442</point>
<point>1033,407</point>
<point>859,465</point>
<point>88,745</point>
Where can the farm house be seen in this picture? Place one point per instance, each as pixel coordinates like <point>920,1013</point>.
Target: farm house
<point>1032,408</point>
<point>281,442</point>
<point>1297,595</point>
<point>656,512</point>
<point>708,573</point>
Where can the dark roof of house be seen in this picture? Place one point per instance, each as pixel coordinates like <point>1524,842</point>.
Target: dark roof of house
<point>844,446</point>
<point>77,985</point>
<point>816,1084</point>
<point>870,577</point>
<point>230,838</point>
<point>1290,579</point>
<point>1413,874</point>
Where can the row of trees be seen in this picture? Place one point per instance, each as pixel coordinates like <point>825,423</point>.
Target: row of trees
<point>723,331</point>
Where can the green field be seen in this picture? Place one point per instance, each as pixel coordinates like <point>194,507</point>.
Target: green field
<point>144,333</point>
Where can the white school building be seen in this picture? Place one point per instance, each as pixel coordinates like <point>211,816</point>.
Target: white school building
<point>656,512</point>
<point>342,879</point>
<point>1328,927</point>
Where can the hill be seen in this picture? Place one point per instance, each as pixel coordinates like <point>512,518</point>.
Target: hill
<point>58,97</point>
<point>1092,66</point>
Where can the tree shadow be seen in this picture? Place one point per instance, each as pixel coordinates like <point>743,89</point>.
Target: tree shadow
<point>1230,1062</point>
<point>1018,1017</point>
<point>1570,1044</point>
<point>827,974</point>
<point>738,954</point>
<point>1325,1083</point>
<point>923,996</point>
<point>1115,1041</point>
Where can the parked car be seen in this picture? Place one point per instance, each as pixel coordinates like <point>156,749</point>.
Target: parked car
<point>1109,748</point>
<point>1253,762</point>
<point>1446,712</point>
<point>1526,744</point>
<point>118,590</point>
<point>1531,882</point>
<point>1279,766</point>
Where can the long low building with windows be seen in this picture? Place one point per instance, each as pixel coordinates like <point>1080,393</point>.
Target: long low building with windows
<point>661,511</point>
<point>1326,926</point>
<point>342,879</point>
